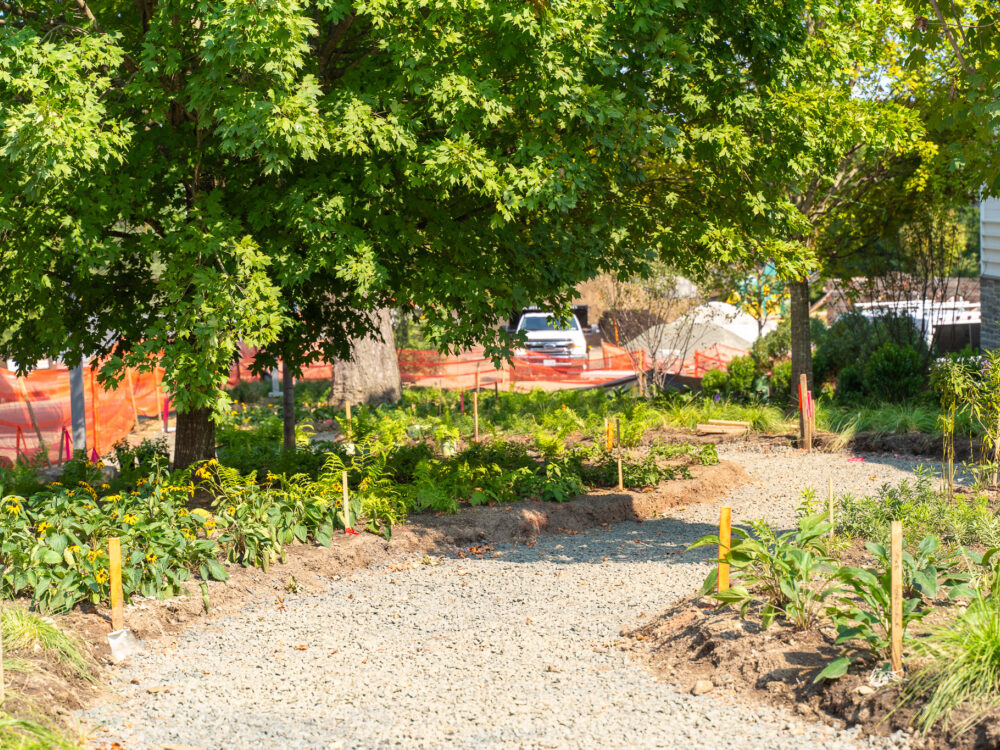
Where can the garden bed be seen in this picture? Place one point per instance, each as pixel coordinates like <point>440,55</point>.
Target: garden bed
<point>698,648</point>
<point>308,566</point>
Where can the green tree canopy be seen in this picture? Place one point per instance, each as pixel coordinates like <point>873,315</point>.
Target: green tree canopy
<point>179,176</point>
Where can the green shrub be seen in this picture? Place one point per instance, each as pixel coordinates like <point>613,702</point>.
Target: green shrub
<point>895,373</point>
<point>715,382</point>
<point>853,338</point>
<point>780,381</point>
<point>851,381</point>
<point>742,374</point>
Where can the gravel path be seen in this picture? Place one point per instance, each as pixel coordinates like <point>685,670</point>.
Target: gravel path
<point>516,649</point>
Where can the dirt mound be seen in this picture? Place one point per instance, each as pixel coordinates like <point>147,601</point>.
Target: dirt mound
<point>700,648</point>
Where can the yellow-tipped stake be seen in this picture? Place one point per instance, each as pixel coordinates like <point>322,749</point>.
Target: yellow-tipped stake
<point>115,570</point>
<point>896,596</point>
<point>609,439</point>
<point>725,538</point>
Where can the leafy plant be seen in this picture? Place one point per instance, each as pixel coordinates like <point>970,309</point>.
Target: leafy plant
<point>790,574</point>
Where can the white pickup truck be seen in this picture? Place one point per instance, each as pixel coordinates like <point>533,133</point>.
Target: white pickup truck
<point>546,334</point>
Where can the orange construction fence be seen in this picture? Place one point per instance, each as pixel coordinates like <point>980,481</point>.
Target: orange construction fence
<point>35,417</point>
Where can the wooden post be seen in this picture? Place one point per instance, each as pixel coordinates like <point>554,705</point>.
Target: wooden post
<point>725,538</point>
<point>477,377</point>
<point>347,503</point>
<point>115,569</point>
<point>829,506</point>
<point>475,412</point>
<point>608,438</point>
<point>348,406</point>
<point>810,420</point>
<point>618,440</point>
<point>896,597</point>
<point>803,419</point>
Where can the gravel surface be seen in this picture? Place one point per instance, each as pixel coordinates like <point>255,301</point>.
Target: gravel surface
<point>519,648</point>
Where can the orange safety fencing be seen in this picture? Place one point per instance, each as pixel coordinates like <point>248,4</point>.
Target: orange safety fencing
<point>35,415</point>
<point>460,372</point>
<point>241,368</point>
<point>715,357</point>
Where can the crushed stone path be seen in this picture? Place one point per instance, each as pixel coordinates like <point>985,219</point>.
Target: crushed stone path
<point>518,647</point>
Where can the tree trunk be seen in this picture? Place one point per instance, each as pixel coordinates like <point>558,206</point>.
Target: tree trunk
<point>288,408</point>
<point>195,437</point>
<point>372,374</point>
<point>798,310</point>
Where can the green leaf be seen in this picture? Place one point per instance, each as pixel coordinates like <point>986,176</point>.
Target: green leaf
<point>834,670</point>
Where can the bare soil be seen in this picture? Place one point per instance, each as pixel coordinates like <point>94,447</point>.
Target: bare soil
<point>693,643</point>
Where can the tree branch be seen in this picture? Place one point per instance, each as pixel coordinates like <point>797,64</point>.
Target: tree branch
<point>85,9</point>
<point>951,37</point>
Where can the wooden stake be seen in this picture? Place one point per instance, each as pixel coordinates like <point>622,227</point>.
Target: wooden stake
<point>609,439</point>
<point>896,597</point>
<point>115,568</point>
<point>803,418</point>
<point>725,539</point>
<point>475,413</point>
<point>348,403</point>
<point>618,440</point>
<point>347,503</point>
<point>829,505</point>
<point>477,378</point>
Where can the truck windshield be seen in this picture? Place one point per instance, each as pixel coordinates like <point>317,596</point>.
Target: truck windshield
<point>546,323</point>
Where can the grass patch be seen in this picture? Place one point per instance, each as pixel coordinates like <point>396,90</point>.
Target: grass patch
<point>964,671</point>
<point>17,733</point>
<point>23,630</point>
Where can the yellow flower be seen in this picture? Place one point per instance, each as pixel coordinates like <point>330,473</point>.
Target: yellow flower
<point>55,484</point>
<point>105,486</point>
<point>74,548</point>
<point>182,513</point>
<point>93,554</point>
<point>43,527</point>
<point>129,519</point>
<point>231,509</point>
<point>151,558</point>
<point>14,508</point>
<point>101,576</point>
